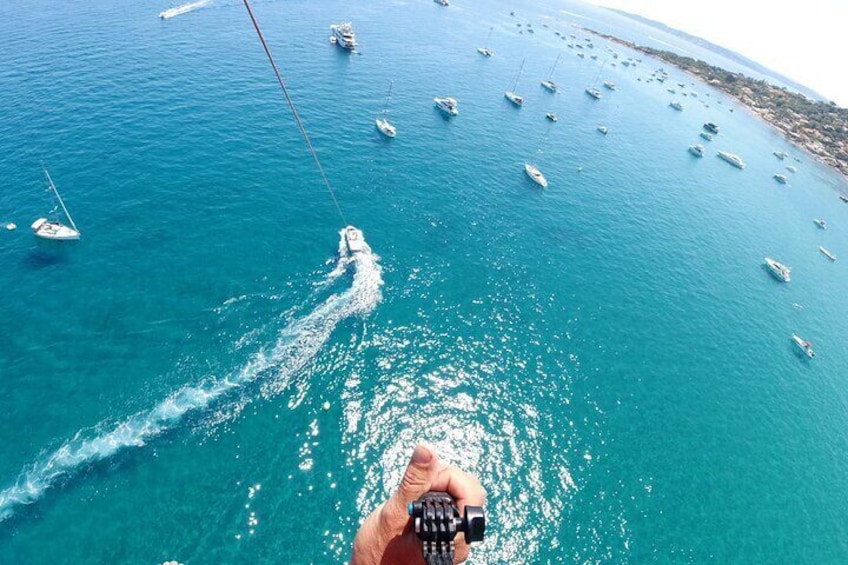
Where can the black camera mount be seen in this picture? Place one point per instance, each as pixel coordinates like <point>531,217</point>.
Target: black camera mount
<point>436,522</point>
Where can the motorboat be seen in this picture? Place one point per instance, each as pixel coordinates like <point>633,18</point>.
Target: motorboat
<point>46,229</point>
<point>707,136</point>
<point>603,129</point>
<point>805,346</point>
<point>485,51</point>
<point>344,36</point>
<point>594,93</point>
<point>820,223</point>
<point>180,10</point>
<point>791,169</point>
<point>551,116</point>
<point>780,178</point>
<point>610,85</point>
<point>780,154</point>
<point>447,105</point>
<point>778,270</point>
<point>676,105</point>
<point>843,198</point>
<point>827,253</point>
<point>535,175</point>
<point>734,160</point>
<point>354,240</point>
<point>442,2</point>
<point>711,127</point>
<point>696,150</point>
<point>11,226</point>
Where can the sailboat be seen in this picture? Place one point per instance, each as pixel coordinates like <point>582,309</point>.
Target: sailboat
<point>549,84</point>
<point>55,230</point>
<point>485,51</point>
<point>593,90</point>
<point>532,170</point>
<point>383,124</point>
<point>510,94</point>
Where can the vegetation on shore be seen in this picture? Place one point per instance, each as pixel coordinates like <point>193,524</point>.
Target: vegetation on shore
<point>819,127</point>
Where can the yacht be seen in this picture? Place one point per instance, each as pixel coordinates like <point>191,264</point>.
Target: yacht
<point>447,105</point>
<point>344,36</point>
<point>805,346</point>
<point>791,169</point>
<point>535,175</point>
<point>594,93</point>
<point>551,116</point>
<point>707,136</point>
<point>696,150</point>
<point>778,270</point>
<point>485,51</point>
<point>780,154</point>
<point>820,223</point>
<point>734,160</point>
<point>354,241</point>
<point>610,85</point>
<point>46,229</point>
<point>603,129</point>
<point>676,105</point>
<point>711,127</point>
<point>827,253</point>
<point>780,178</point>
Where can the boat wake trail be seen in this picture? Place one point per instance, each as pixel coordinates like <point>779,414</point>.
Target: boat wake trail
<point>296,345</point>
<point>182,9</point>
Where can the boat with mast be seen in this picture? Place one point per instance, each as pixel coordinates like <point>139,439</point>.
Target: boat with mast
<point>485,51</point>
<point>383,124</point>
<point>46,229</point>
<point>510,94</point>
<point>593,90</point>
<point>549,84</point>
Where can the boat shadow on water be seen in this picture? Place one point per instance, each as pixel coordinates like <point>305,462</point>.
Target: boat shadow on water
<point>47,255</point>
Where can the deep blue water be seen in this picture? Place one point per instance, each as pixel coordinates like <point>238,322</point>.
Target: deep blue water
<point>608,356</point>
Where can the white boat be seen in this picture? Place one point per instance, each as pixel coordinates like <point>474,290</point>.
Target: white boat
<point>778,270</point>
<point>827,253</point>
<point>820,223</point>
<point>485,51</point>
<point>548,83</point>
<point>780,154</point>
<point>780,178</point>
<point>676,105</point>
<point>609,84</point>
<point>383,124</point>
<point>11,227</point>
<point>805,346</point>
<point>603,129</point>
<point>711,127</point>
<point>696,150</point>
<point>447,105</point>
<point>734,160</point>
<point>551,116</point>
<point>442,2</point>
<point>707,136</point>
<point>354,241</point>
<point>180,10</point>
<point>55,230</point>
<point>594,93</point>
<point>511,95</point>
<point>791,169</point>
<point>344,36</point>
<point>535,175</point>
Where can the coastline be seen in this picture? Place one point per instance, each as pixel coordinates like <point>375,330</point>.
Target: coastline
<point>826,142</point>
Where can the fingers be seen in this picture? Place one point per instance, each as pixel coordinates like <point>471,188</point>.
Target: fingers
<point>417,480</point>
<point>464,488</point>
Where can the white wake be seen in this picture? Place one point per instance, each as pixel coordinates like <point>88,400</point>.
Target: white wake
<point>182,9</point>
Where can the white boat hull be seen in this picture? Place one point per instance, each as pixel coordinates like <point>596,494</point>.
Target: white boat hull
<point>514,98</point>
<point>804,346</point>
<point>535,175</point>
<point>354,240</point>
<point>386,128</point>
<point>54,230</point>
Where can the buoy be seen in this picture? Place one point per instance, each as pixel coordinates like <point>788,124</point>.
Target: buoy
<point>11,227</point>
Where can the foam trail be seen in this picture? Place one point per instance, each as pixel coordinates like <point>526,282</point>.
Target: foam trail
<point>183,9</point>
<point>296,345</point>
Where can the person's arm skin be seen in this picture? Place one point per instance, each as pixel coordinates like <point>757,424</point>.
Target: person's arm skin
<point>386,536</point>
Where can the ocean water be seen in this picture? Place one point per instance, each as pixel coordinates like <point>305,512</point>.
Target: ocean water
<point>201,377</point>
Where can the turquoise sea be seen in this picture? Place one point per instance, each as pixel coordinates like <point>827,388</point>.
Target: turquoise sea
<point>200,378</point>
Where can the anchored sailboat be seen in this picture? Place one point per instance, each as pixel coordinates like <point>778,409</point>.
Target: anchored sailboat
<point>593,90</point>
<point>383,124</point>
<point>485,51</point>
<point>549,84</point>
<point>510,94</point>
<point>55,230</point>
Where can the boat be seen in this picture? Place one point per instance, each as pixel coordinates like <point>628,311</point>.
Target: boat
<point>734,160</point>
<point>610,85</point>
<point>696,150</point>
<point>780,154</point>
<point>55,230</point>
<point>820,223</point>
<point>791,169</point>
<point>843,198</point>
<point>711,127</point>
<point>706,136</point>
<point>676,105</point>
<point>11,227</point>
<point>485,51</point>
<point>180,10</point>
<point>511,94</point>
<point>535,175</point>
<point>581,55</point>
<point>805,346</point>
<point>442,2</point>
<point>354,241</point>
<point>827,253</point>
<point>778,270</point>
<point>603,129</point>
<point>383,124</point>
<point>344,36</point>
<point>548,83</point>
<point>551,116</point>
<point>447,105</point>
<point>594,93</point>
<point>780,178</point>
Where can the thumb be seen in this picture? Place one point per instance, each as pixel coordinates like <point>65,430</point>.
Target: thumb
<point>417,480</point>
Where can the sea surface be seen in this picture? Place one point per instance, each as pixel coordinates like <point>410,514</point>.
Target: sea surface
<point>202,378</point>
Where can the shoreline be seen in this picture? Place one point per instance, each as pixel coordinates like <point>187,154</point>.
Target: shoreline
<point>817,128</point>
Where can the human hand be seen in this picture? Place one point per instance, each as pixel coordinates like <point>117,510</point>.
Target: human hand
<point>386,536</point>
